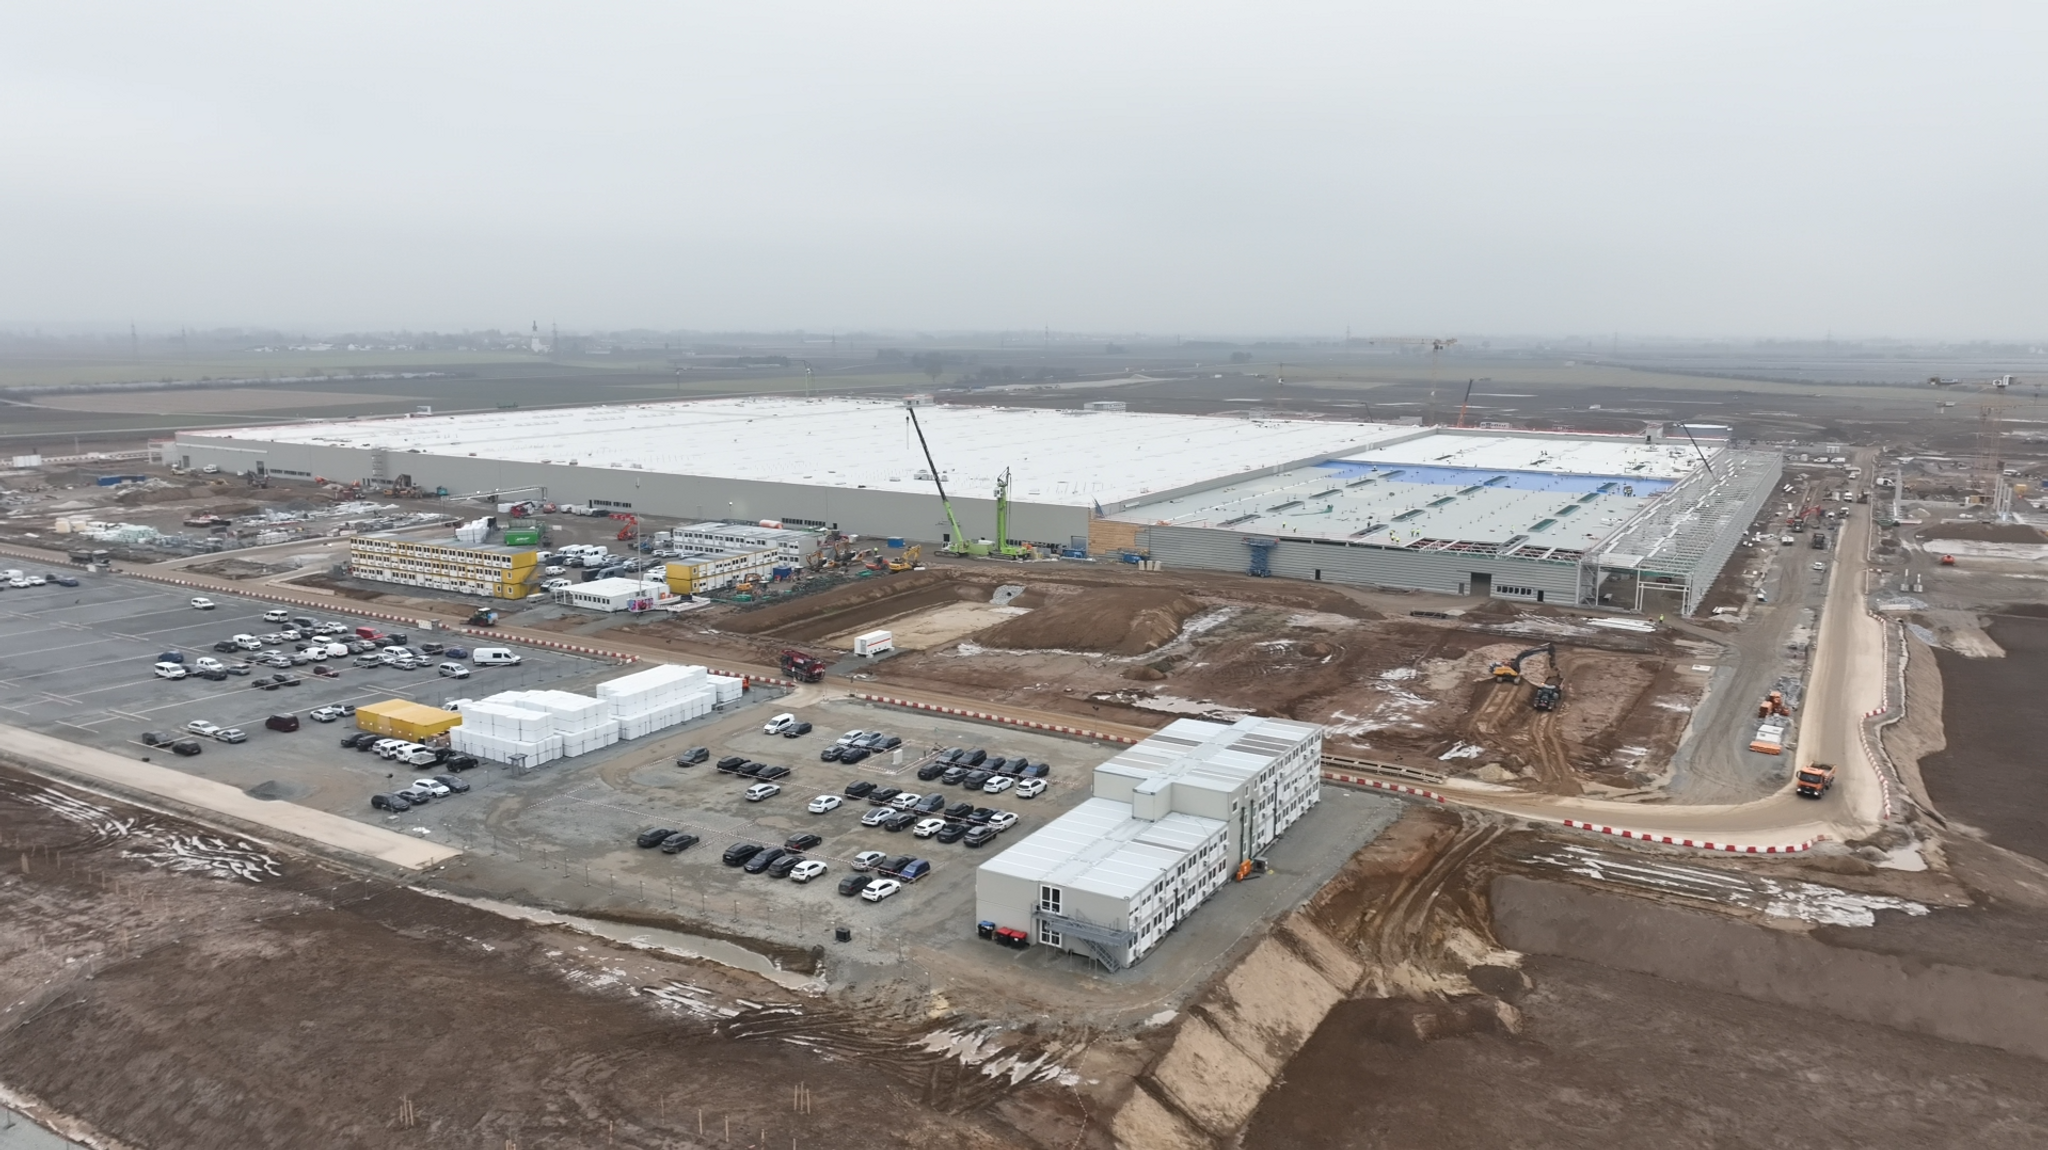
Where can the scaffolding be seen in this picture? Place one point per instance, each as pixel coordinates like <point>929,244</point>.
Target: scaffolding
<point>1680,541</point>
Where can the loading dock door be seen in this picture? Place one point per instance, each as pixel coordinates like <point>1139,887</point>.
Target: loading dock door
<point>1482,585</point>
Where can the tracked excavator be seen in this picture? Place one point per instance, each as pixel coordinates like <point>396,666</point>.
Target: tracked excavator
<point>1510,670</point>
<point>1549,692</point>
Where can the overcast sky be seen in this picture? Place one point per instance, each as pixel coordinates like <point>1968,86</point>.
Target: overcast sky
<point>1717,168</point>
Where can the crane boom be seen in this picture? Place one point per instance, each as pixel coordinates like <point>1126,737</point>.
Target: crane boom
<point>959,543</point>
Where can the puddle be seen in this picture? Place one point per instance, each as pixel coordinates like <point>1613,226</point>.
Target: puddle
<point>673,942</point>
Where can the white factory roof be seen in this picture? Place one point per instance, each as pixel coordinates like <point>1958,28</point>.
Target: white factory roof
<point>1059,457</point>
<point>1210,756</point>
<point>1100,848</point>
<point>1531,494</point>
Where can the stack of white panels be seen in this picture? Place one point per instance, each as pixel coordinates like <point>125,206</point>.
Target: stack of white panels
<point>658,697</point>
<point>500,732</point>
<point>728,688</point>
<point>585,724</point>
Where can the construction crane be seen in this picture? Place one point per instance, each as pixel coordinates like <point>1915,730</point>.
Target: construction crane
<point>1003,546</point>
<point>1436,347</point>
<point>1467,402</point>
<point>959,545</point>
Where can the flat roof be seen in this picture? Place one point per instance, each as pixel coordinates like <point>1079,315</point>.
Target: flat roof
<point>1100,848</point>
<point>1534,495</point>
<point>1068,458</point>
<point>1208,755</point>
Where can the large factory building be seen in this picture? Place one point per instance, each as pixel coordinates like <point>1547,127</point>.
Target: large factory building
<point>1554,517</point>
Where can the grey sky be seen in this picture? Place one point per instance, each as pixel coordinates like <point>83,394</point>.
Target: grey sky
<point>1681,168</point>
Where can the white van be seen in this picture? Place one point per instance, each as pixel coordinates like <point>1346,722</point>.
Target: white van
<point>248,642</point>
<point>278,616</point>
<point>493,657</point>
<point>209,663</point>
<point>170,670</point>
<point>453,670</point>
<point>386,748</point>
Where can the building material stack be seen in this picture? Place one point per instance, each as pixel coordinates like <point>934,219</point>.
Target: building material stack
<point>584,724</point>
<point>504,733</point>
<point>662,696</point>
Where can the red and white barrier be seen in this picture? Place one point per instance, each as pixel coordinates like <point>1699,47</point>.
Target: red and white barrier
<point>991,717</point>
<point>550,644</point>
<point>1669,840</point>
<point>1382,785</point>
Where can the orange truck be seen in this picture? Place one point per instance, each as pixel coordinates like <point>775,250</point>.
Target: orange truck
<point>1813,780</point>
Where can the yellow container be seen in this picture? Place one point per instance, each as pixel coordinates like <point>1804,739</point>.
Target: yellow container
<point>404,719</point>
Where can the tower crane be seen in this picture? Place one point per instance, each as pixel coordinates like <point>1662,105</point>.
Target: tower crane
<point>1435,346</point>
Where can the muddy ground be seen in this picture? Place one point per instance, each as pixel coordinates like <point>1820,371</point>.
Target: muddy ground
<point>1992,777</point>
<point>176,989</point>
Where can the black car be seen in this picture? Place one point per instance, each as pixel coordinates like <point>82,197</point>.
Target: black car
<point>1017,765</point>
<point>853,754</point>
<point>749,770</point>
<point>951,832</point>
<point>263,683</point>
<point>975,758</point>
<point>243,669</point>
<point>352,738</point>
<point>186,747</point>
<point>869,741</point>
<point>830,754</point>
<point>693,756</point>
<point>995,765</point>
<point>431,648</point>
<point>285,680</point>
<point>982,815</point>
<point>210,674</point>
<point>730,761</point>
<point>888,743</point>
<point>802,842</point>
<point>931,804</point>
<point>797,730</point>
<point>653,837</point>
<point>975,780</point>
<point>767,774</point>
<point>930,771</point>
<point>390,803</point>
<point>953,776</point>
<point>859,789</point>
<point>854,883</point>
<point>738,853</point>
<point>1037,770</point>
<point>762,860</point>
<point>953,755</point>
<point>901,820</point>
<point>678,843</point>
<point>370,743</point>
<point>894,864</point>
<point>959,810</point>
<point>979,836</point>
<point>452,783</point>
<point>227,645</point>
<point>63,580</point>
<point>781,867</point>
<point>155,739</point>
<point>881,795</point>
<point>460,762</point>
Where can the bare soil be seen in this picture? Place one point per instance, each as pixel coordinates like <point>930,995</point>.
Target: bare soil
<point>1990,775</point>
<point>1985,532</point>
<point>1116,621</point>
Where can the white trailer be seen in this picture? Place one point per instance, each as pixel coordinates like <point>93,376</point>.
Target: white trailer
<point>874,643</point>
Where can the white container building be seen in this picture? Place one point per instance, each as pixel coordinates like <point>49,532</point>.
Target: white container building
<point>1172,817</point>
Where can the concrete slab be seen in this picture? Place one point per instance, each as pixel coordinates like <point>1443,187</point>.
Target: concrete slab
<point>209,797</point>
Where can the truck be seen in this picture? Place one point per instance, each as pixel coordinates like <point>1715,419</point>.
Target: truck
<point>484,617</point>
<point>1814,779</point>
<point>802,666</point>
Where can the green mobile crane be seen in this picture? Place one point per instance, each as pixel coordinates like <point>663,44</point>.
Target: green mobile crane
<point>1003,546</point>
<point>960,544</point>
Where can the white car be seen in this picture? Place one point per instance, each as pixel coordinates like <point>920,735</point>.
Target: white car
<point>554,569</point>
<point>317,653</point>
<point>1002,820</point>
<point>905,801</point>
<point>1819,566</point>
<point>278,615</point>
<point>438,789</point>
<point>324,714</point>
<point>202,604</point>
<point>557,584</point>
<point>231,735</point>
<point>36,580</point>
<point>760,791</point>
<point>170,670</point>
<point>1030,788</point>
<point>998,785</point>
<point>928,828</point>
<point>846,740</point>
<point>202,727</point>
<point>209,663</point>
<point>879,815</point>
<point>823,804</point>
<point>778,724</point>
<point>806,870</point>
<point>866,860</point>
<point>877,891</point>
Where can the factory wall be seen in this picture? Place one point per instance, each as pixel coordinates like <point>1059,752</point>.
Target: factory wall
<point>861,511</point>
<point>1209,549</point>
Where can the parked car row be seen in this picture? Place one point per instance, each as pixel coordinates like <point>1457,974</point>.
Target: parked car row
<point>18,580</point>
<point>928,816</point>
<point>408,752</point>
<point>746,768</point>
<point>423,790</point>
<point>853,746</point>
<point>786,725</point>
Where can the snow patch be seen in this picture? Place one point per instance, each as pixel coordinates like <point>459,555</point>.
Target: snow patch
<point>1462,751</point>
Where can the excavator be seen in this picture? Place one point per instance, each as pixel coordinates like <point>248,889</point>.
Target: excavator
<point>907,560</point>
<point>1510,670</point>
<point>1550,692</point>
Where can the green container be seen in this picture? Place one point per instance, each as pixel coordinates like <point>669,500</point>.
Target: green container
<point>527,538</point>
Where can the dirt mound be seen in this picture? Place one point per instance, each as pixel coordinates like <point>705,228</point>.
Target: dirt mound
<point>1118,621</point>
<point>1986,532</point>
<point>862,603</point>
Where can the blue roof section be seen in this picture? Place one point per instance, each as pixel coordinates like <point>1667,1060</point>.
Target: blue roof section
<point>1348,470</point>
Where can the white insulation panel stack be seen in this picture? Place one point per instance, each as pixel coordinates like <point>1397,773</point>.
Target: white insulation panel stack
<point>660,696</point>
<point>727,688</point>
<point>585,724</point>
<point>504,733</point>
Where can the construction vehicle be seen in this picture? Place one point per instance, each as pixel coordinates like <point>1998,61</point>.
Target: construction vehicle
<point>802,666</point>
<point>1002,545</point>
<point>483,617</point>
<point>959,544</point>
<point>1772,704</point>
<point>632,524</point>
<point>907,560</point>
<point>1510,670</point>
<point>1550,692</point>
<point>1813,780</point>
